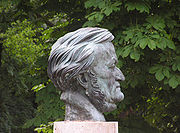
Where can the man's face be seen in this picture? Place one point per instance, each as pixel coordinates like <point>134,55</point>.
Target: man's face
<point>107,76</point>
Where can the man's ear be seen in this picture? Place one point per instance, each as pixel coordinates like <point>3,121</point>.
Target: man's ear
<point>83,80</point>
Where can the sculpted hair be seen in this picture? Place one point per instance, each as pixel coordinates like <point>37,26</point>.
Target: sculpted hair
<point>72,54</point>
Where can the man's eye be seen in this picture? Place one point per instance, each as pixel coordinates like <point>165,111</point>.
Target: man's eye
<point>113,66</point>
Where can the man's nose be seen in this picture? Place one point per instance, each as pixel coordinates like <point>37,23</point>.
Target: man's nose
<point>119,75</point>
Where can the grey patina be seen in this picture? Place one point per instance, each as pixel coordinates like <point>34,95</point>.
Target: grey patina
<point>82,64</point>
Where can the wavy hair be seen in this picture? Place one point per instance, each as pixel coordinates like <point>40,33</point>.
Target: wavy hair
<point>72,54</point>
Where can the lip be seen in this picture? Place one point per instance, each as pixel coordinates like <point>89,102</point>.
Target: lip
<point>118,87</point>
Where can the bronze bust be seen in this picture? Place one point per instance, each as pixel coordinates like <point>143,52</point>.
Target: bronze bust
<point>82,64</point>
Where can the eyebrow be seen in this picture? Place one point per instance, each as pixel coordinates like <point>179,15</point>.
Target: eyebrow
<point>113,61</point>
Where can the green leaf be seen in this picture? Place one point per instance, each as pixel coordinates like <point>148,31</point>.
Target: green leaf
<point>90,23</point>
<point>88,4</point>
<point>129,35</point>
<point>137,43</point>
<point>99,3</point>
<point>99,17</point>
<point>138,5</point>
<point>170,44</point>
<point>92,3</point>
<point>38,87</point>
<point>178,67</point>
<point>120,63</point>
<point>156,21</point>
<point>142,7</point>
<point>130,6</point>
<point>95,16</point>
<point>154,69</point>
<point>166,72</point>
<point>162,44</point>
<point>135,55</point>
<point>173,82</point>
<point>126,51</point>
<point>159,75</point>
<point>156,36</point>
<point>115,6</point>
<point>174,67</point>
<point>151,44</point>
<point>108,11</point>
<point>143,43</point>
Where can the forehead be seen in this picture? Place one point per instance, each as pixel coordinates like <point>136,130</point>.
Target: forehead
<point>104,52</point>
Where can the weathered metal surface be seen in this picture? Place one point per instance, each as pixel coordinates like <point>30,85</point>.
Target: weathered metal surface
<point>82,64</point>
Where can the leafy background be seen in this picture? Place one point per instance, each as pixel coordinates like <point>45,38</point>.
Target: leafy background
<point>147,40</point>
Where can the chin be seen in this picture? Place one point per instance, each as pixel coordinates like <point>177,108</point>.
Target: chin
<point>118,97</point>
<point>105,102</point>
<point>108,107</point>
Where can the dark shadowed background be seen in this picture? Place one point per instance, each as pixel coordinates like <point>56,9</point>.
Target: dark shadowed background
<point>147,38</point>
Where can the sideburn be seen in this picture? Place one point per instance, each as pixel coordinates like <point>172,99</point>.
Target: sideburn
<point>96,96</point>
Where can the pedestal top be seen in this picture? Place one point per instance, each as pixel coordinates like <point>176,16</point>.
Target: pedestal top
<point>85,127</point>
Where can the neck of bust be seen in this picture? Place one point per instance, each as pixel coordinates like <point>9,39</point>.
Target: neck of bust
<point>79,108</point>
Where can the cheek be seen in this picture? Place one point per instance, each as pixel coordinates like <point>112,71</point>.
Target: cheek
<point>102,72</point>
<point>111,79</point>
<point>106,78</point>
<point>111,83</point>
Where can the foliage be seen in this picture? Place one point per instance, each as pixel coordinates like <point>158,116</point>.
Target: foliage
<point>50,107</point>
<point>20,51</point>
<point>45,128</point>
<point>147,45</point>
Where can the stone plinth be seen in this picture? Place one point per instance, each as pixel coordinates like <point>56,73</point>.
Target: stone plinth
<point>85,127</point>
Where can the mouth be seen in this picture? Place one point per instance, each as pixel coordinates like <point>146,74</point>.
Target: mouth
<point>118,86</point>
<point>116,95</point>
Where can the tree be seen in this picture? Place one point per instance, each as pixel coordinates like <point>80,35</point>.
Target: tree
<point>147,45</point>
<point>146,40</point>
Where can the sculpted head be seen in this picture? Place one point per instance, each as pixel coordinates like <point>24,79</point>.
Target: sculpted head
<point>85,61</point>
